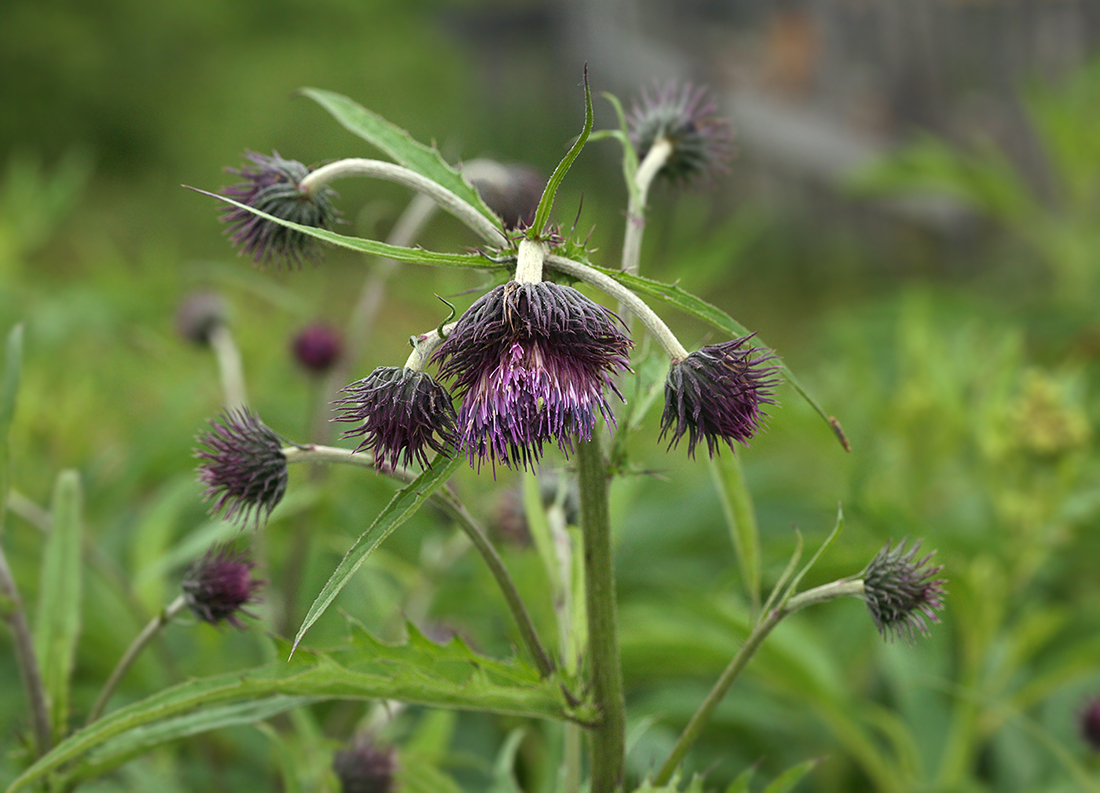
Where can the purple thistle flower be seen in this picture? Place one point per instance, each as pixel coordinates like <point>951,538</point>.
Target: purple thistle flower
<point>220,585</point>
<point>717,393</point>
<point>530,362</point>
<point>317,347</point>
<point>401,413</point>
<point>686,115</point>
<point>272,187</point>
<point>244,468</point>
<point>901,594</point>
<point>365,767</point>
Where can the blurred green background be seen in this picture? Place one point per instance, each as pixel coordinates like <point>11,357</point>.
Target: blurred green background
<point>912,223</point>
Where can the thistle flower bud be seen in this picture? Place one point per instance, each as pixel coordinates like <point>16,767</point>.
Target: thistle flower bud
<point>717,393</point>
<point>219,586</point>
<point>401,413</point>
<point>244,468</point>
<point>199,315</point>
<point>684,115</point>
<point>531,362</point>
<point>365,767</point>
<point>273,187</point>
<point>317,347</point>
<point>901,593</point>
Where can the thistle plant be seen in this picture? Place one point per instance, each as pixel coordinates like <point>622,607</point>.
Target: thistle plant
<point>536,372</point>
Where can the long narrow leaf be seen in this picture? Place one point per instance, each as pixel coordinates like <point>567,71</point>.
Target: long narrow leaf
<point>450,676</point>
<point>403,505</point>
<point>674,295</point>
<point>399,145</point>
<point>9,391</point>
<point>729,480</point>
<point>373,247</point>
<point>58,625</point>
<point>542,213</point>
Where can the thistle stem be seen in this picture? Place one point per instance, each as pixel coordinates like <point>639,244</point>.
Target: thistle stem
<point>759,633</point>
<point>609,738</point>
<point>654,161</point>
<point>169,613</point>
<point>378,169</point>
<point>25,657</point>
<point>626,297</point>
<point>454,508</point>
<point>229,366</point>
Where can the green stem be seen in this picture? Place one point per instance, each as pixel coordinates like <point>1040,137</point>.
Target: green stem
<point>695,727</point>
<point>25,657</point>
<point>655,159</point>
<point>229,366</point>
<point>170,612</point>
<point>609,738</point>
<point>454,508</point>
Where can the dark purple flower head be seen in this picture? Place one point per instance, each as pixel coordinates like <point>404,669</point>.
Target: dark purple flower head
<point>199,315</point>
<point>243,466</point>
<point>1090,724</point>
<point>901,593</point>
<point>317,347</point>
<point>514,195</point>
<point>686,115</point>
<point>272,187</point>
<point>365,767</point>
<point>531,362</point>
<point>219,586</point>
<point>717,393</point>
<point>401,414</point>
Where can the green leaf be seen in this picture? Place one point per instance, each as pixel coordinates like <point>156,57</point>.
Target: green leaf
<point>58,623</point>
<point>373,247</point>
<point>716,317</point>
<point>696,785</point>
<point>791,777</point>
<point>504,776</point>
<point>744,779</point>
<point>404,504</point>
<point>138,741</point>
<point>419,672</point>
<point>417,774</point>
<point>737,506</point>
<point>400,146</point>
<point>9,392</point>
<point>152,537</point>
<point>546,203</point>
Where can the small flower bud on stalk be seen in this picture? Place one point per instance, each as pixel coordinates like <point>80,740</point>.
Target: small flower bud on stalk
<point>199,315</point>
<point>901,594</point>
<point>317,347</point>
<point>220,585</point>
<point>1090,724</point>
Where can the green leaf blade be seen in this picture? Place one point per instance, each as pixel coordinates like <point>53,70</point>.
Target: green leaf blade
<point>57,628</point>
<point>403,505</point>
<point>546,203</point>
<point>9,393</point>
<point>400,146</point>
<point>737,506</point>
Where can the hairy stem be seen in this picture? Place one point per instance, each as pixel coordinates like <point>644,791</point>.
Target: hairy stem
<point>609,738</point>
<point>759,633</point>
<point>378,169</point>
<point>25,657</point>
<point>169,613</point>
<point>655,159</point>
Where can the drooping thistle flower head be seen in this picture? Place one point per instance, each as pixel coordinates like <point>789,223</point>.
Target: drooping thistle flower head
<point>365,767</point>
<point>242,465</point>
<point>718,393</point>
<point>401,414</point>
<point>272,186</point>
<point>531,362</point>
<point>317,347</point>
<point>218,586</point>
<point>686,116</point>
<point>511,190</point>
<point>901,592</point>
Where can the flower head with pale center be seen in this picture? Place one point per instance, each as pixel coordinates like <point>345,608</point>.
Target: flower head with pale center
<point>531,362</point>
